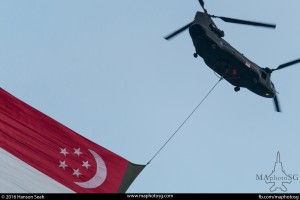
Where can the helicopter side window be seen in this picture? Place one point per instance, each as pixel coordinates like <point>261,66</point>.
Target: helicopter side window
<point>264,75</point>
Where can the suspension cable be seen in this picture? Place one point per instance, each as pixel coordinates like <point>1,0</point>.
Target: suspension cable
<point>186,119</point>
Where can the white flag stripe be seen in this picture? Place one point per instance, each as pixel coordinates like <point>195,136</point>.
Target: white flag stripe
<point>17,176</point>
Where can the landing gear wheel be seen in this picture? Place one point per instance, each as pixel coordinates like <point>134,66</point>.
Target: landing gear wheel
<point>195,55</point>
<point>237,88</point>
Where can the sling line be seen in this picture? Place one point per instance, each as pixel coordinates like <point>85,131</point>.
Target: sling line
<point>186,119</point>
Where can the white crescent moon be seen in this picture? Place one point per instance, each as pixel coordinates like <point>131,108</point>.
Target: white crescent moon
<point>100,175</point>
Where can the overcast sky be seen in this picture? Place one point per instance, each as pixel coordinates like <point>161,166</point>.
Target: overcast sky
<point>103,69</point>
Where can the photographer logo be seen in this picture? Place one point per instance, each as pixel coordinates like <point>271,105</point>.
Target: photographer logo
<point>278,179</point>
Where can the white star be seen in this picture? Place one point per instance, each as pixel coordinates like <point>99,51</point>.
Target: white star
<point>86,164</point>
<point>64,151</point>
<point>77,151</point>
<point>76,172</point>
<point>63,164</point>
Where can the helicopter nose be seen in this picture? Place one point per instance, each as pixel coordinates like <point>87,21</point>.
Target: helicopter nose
<point>268,95</point>
<point>271,93</point>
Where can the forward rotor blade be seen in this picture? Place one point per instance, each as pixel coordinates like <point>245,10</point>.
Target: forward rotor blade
<point>170,36</point>
<point>276,104</point>
<point>245,22</point>
<point>287,64</point>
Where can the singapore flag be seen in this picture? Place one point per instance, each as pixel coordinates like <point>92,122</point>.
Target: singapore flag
<point>40,155</point>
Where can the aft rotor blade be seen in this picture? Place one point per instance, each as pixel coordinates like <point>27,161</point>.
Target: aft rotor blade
<point>245,22</point>
<point>202,5</point>
<point>170,36</point>
<point>287,64</point>
<point>276,104</point>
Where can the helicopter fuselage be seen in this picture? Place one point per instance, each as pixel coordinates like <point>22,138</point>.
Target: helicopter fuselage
<point>225,60</point>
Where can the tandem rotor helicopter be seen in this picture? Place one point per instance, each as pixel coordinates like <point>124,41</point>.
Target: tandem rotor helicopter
<point>225,60</point>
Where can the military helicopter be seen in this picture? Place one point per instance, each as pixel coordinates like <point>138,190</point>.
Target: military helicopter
<point>225,60</point>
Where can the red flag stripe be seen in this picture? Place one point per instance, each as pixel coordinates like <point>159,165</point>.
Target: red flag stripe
<point>38,140</point>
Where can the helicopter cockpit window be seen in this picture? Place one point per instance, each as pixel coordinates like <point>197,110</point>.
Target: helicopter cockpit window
<point>264,75</point>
